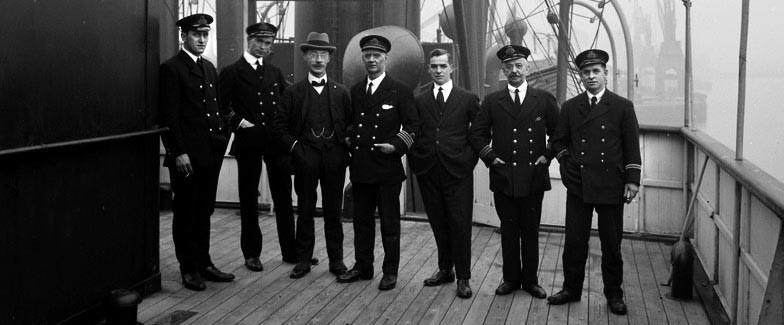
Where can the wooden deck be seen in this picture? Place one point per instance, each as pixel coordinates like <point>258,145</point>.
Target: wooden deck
<point>271,297</point>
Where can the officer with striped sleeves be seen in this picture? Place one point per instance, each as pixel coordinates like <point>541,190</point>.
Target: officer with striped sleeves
<point>598,147</point>
<point>384,125</point>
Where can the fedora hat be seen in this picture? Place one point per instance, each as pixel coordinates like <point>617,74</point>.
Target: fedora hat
<point>317,41</point>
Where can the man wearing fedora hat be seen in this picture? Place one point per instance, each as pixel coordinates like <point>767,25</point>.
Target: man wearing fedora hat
<point>250,89</point>
<point>597,144</point>
<point>510,133</point>
<point>311,124</point>
<point>384,125</point>
<point>195,142</point>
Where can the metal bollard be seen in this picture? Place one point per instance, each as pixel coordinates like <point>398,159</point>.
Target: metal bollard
<point>123,307</point>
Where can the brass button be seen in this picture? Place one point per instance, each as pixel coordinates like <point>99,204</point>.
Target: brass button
<point>529,129</point>
<point>514,152</point>
<point>360,124</point>
<point>514,130</point>
<point>514,164</point>
<point>514,141</point>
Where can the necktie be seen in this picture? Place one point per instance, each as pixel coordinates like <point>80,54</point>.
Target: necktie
<point>440,98</point>
<point>370,89</point>
<point>258,65</point>
<point>593,102</point>
<point>517,97</point>
<point>319,84</point>
<point>200,64</point>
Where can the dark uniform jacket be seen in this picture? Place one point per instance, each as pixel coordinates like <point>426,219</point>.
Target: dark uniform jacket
<point>290,123</point>
<point>445,137</point>
<point>518,138</point>
<point>254,99</point>
<point>599,151</point>
<point>188,106</point>
<point>389,116</point>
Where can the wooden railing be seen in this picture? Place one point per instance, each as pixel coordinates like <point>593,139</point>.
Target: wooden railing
<point>738,234</point>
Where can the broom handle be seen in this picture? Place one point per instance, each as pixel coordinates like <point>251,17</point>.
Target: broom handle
<point>689,220</point>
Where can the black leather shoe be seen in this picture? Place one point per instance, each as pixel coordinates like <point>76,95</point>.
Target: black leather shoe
<point>354,275</point>
<point>440,277</point>
<point>563,297</point>
<point>463,288</point>
<point>254,264</point>
<point>193,281</point>
<point>506,288</point>
<point>388,282</point>
<point>212,273</point>
<point>299,271</point>
<point>337,268</point>
<point>535,290</point>
<point>617,306</point>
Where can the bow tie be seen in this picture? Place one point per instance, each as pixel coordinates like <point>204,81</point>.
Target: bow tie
<point>319,84</point>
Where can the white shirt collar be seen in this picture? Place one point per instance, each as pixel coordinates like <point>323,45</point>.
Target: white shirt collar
<point>311,78</point>
<point>376,81</point>
<point>191,55</point>
<point>598,96</point>
<point>523,89</point>
<point>446,89</point>
<point>252,59</point>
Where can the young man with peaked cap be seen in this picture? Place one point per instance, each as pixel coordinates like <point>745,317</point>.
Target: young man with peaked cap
<point>195,144</point>
<point>383,129</point>
<point>443,160</point>
<point>250,91</point>
<point>598,146</point>
<point>311,125</point>
<point>510,134</point>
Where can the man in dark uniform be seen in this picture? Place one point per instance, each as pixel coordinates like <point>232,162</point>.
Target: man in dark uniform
<point>598,146</point>
<point>195,144</point>
<point>517,120</point>
<point>444,162</point>
<point>312,125</point>
<point>384,125</point>
<point>250,90</point>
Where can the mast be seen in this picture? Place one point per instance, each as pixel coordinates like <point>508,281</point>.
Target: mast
<point>565,8</point>
<point>462,43</point>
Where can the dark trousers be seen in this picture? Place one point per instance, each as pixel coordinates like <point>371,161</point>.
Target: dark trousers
<point>248,175</point>
<point>366,198</point>
<point>578,232</point>
<point>449,206</point>
<point>520,217</point>
<point>193,204</point>
<point>327,166</point>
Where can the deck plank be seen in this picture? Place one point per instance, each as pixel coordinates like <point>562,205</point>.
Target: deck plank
<point>558,314</point>
<point>547,269</point>
<point>364,291</point>
<point>632,289</point>
<point>271,297</point>
<point>443,299</point>
<point>673,309</point>
<point>650,289</point>
<point>408,295</point>
<point>521,301</point>
<point>318,288</point>
<point>254,289</point>
<point>427,295</point>
<point>597,303</point>
<point>485,293</point>
<point>457,311</point>
<point>372,311</point>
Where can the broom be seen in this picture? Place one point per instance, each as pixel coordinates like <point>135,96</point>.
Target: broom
<point>681,279</point>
